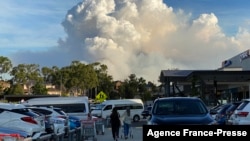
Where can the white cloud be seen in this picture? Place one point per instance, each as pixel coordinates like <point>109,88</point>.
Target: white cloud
<point>145,37</point>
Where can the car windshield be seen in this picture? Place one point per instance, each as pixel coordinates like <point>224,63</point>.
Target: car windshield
<point>176,107</point>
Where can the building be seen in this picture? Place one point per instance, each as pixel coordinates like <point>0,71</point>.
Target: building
<point>230,82</point>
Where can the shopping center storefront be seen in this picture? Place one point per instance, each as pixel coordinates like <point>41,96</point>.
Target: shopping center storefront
<point>231,82</point>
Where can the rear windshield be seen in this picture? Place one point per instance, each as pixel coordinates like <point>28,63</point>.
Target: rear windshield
<point>173,107</point>
<point>242,105</point>
<point>71,108</point>
<point>25,111</point>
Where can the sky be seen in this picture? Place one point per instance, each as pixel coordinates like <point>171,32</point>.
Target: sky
<point>139,37</point>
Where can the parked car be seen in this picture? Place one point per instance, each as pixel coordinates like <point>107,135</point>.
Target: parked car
<point>58,121</point>
<point>180,110</point>
<point>97,110</point>
<point>213,111</point>
<point>241,115</point>
<point>74,122</point>
<point>221,116</point>
<point>19,117</point>
<point>146,112</point>
<point>17,133</point>
<point>231,110</point>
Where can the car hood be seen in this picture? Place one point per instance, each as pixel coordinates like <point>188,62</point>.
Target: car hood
<point>183,120</point>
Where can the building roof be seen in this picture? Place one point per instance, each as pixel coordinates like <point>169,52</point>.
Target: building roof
<point>209,76</point>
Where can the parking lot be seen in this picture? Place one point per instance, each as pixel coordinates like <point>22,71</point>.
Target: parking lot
<point>137,135</point>
<point>107,136</point>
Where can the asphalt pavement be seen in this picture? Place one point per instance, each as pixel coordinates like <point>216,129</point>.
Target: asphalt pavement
<point>136,134</point>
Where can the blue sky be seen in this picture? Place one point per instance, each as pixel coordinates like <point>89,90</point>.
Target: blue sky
<point>140,37</point>
<point>31,25</point>
<point>231,14</point>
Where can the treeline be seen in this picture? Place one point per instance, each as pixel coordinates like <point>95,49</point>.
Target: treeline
<point>76,79</point>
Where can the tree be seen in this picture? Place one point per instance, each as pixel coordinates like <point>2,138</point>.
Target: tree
<point>16,89</point>
<point>47,74</point>
<point>105,81</point>
<point>129,88</point>
<point>26,74</point>
<point>5,65</point>
<point>80,77</point>
<point>39,89</point>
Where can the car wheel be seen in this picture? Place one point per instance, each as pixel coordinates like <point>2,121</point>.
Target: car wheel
<point>136,118</point>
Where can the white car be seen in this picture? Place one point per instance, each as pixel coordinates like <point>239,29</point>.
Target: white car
<point>19,117</point>
<point>241,116</point>
<point>58,125</point>
<point>58,119</point>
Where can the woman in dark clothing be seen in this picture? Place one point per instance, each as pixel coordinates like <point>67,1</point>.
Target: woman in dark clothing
<point>115,123</point>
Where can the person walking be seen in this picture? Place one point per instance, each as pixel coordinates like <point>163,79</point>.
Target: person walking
<point>126,122</point>
<point>115,123</point>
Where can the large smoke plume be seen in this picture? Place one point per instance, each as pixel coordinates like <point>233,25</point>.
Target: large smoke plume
<point>142,37</point>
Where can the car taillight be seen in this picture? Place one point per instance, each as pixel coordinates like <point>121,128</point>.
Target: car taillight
<point>242,114</point>
<point>29,119</point>
<point>62,117</point>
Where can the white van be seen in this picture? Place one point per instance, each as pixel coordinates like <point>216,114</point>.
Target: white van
<point>136,108</point>
<point>75,106</point>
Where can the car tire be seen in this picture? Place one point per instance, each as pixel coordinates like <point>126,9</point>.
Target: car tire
<point>136,118</point>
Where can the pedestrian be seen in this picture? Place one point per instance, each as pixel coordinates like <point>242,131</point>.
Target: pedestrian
<point>115,123</point>
<point>126,122</point>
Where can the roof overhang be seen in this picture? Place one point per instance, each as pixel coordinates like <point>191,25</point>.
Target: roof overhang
<point>208,76</point>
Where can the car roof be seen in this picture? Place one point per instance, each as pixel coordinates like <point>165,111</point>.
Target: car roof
<point>11,106</point>
<point>178,98</point>
<point>45,107</point>
<point>246,100</point>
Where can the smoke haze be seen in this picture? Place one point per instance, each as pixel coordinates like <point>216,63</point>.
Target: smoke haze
<point>139,37</point>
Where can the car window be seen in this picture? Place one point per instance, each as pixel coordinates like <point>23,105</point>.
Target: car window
<point>242,105</point>
<point>60,111</point>
<point>233,107</point>
<point>25,111</point>
<point>99,106</point>
<point>108,107</point>
<point>174,107</point>
<point>224,108</point>
<point>43,111</point>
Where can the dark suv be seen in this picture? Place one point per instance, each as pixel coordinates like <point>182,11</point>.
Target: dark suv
<point>180,111</point>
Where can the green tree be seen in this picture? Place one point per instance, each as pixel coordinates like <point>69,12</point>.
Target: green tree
<point>39,89</point>
<point>105,81</point>
<point>79,77</point>
<point>129,89</point>
<point>47,74</point>
<point>26,74</point>
<point>5,65</point>
<point>15,89</point>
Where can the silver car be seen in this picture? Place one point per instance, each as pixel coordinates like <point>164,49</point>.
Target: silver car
<point>19,117</point>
